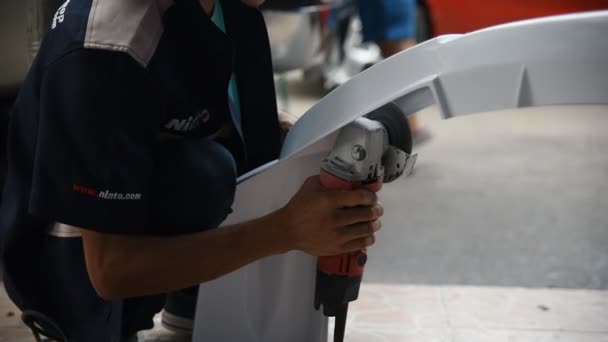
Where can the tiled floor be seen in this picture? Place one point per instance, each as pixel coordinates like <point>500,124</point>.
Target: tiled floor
<point>11,328</point>
<point>470,314</point>
<point>402,313</point>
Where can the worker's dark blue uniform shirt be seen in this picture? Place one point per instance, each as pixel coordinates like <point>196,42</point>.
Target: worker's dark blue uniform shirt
<point>113,78</point>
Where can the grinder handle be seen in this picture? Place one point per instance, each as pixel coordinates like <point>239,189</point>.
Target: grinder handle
<point>349,264</point>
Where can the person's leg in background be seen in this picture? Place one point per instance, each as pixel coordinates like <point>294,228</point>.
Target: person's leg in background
<point>392,25</point>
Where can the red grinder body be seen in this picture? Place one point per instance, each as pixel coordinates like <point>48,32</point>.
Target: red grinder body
<point>339,276</point>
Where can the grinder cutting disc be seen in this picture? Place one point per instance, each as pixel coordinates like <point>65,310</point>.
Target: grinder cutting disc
<point>396,124</point>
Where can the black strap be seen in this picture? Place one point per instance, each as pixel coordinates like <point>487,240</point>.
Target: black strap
<point>43,328</point>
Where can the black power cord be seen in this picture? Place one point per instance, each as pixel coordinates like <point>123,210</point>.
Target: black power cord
<point>340,323</point>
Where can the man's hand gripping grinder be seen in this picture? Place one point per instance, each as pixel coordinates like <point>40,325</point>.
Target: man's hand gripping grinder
<point>370,151</point>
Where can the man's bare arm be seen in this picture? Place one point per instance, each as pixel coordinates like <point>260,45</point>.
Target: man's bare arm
<point>127,266</point>
<point>316,221</point>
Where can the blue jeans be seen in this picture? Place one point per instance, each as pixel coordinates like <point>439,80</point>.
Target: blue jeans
<point>388,20</point>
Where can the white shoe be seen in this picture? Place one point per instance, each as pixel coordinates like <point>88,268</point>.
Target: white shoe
<point>177,324</point>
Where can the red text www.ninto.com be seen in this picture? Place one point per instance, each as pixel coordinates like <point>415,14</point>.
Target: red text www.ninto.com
<point>107,195</point>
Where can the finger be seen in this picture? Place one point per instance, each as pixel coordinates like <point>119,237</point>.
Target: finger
<point>359,230</point>
<point>354,198</point>
<point>349,216</point>
<point>358,244</point>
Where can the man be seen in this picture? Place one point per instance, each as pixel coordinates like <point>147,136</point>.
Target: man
<point>124,146</point>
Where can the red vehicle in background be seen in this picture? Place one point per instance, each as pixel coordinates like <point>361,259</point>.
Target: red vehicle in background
<point>438,17</point>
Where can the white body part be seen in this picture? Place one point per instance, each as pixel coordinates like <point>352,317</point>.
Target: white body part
<point>553,61</point>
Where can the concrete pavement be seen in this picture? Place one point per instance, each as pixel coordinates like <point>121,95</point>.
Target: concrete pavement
<point>515,198</point>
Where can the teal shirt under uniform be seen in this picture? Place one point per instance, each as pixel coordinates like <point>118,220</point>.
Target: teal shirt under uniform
<point>233,92</point>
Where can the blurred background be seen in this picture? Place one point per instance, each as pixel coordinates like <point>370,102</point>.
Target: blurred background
<point>513,199</point>
<point>325,38</point>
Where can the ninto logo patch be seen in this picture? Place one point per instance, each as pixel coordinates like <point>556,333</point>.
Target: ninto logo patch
<point>190,123</point>
<point>60,15</point>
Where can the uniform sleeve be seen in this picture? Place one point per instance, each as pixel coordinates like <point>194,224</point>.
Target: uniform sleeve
<point>97,129</point>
